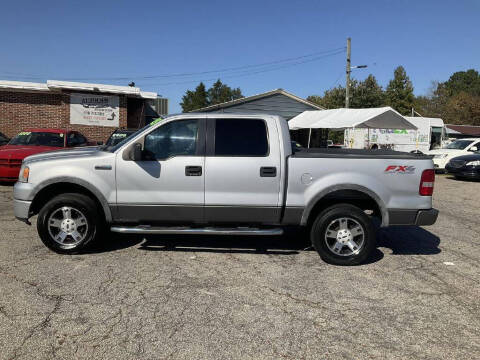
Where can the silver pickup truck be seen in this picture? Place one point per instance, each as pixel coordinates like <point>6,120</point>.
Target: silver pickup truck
<point>225,174</point>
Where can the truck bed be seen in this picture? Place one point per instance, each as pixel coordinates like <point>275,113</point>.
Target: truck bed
<point>358,154</point>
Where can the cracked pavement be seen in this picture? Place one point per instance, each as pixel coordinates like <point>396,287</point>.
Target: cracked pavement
<point>199,297</point>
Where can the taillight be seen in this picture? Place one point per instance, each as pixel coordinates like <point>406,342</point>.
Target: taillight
<point>426,182</point>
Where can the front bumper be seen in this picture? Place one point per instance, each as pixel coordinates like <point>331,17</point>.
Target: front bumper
<point>472,172</point>
<point>9,173</point>
<point>21,209</point>
<point>22,200</point>
<point>440,163</point>
<point>412,217</point>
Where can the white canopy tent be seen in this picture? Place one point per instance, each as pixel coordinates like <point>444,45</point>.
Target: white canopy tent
<point>340,119</point>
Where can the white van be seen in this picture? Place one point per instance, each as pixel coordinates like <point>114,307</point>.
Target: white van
<point>430,135</point>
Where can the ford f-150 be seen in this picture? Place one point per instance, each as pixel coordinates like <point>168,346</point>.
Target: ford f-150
<point>223,174</point>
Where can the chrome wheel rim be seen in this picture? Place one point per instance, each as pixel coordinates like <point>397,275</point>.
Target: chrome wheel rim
<point>345,236</point>
<point>67,226</point>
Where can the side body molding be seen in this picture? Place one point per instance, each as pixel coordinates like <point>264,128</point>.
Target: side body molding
<point>328,190</point>
<point>66,179</point>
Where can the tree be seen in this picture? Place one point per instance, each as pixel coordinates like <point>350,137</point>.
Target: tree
<point>399,93</point>
<point>220,93</point>
<point>368,93</point>
<point>364,94</point>
<point>217,94</point>
<point>193,100</point>
<point>456,100</point>
<point>462,81</point>
<point>463,108</point>
<point>333,98</point>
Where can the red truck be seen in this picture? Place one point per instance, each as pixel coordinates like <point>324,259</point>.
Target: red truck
<point>34,141</point>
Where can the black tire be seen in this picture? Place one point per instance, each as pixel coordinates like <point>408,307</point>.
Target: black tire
<point>362,245</point>
<point>79,204</point>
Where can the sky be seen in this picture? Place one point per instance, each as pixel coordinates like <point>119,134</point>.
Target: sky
<point>301,44</point>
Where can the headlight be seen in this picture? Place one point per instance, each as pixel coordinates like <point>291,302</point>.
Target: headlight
<point>24,172</point>
<point>440,156</point>
<point>474,163</point>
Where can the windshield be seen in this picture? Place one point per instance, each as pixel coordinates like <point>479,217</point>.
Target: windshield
<point>116,137</point>
<point>126,139</point>
<point>459,144</point>
<point>38,138</point>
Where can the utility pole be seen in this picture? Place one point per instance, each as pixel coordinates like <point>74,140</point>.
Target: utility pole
<point>347,85</point>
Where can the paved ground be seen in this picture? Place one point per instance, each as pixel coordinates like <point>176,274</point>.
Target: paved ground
<point>230,298</point>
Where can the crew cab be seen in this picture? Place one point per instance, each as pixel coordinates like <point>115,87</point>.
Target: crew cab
<point>34,141</point>
<point>224,174</point>
<point>459,147</point>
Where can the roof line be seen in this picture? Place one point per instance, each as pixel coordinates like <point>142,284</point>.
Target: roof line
<point>255,97</point>
<point>52,85</point>
<point>475,126</point>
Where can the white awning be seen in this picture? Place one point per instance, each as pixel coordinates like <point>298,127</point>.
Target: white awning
<point>374,118</point>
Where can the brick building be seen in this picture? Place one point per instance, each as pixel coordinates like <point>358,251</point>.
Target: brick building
<point>93,109</point>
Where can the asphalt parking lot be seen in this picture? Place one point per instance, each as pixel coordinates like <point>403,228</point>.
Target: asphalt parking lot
<point>255,298</point>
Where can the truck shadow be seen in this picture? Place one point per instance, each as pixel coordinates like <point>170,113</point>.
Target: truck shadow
<point>402,240</point>
<point>408,240</point>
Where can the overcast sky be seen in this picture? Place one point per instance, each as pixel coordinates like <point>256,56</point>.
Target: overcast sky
<point>150,42</point>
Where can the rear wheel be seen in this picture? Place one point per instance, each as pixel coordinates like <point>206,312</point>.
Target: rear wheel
<point>68,223</point>
<point>343,235</point>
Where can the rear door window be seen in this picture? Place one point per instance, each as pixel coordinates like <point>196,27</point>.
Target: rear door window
<point>241,137</point>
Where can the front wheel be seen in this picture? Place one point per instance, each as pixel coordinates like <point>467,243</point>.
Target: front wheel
<point>68,222</point>
<point>343,235</point>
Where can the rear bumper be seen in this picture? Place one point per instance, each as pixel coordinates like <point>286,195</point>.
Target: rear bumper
<point>412,217</point>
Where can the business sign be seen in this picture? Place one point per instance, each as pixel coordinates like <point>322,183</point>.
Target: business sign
<point>97,110</point>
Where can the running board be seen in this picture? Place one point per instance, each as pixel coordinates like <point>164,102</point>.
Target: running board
<point>195,231</point>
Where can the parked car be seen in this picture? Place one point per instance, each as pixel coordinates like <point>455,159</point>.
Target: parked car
<point>459,147</point>
<point>119,135</point>
<point>465,167</point>
<point>224,174</point>
<point>33,141</point>
<point>3,139</point>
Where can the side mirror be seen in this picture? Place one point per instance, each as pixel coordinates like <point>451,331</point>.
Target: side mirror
<point>137,152</point>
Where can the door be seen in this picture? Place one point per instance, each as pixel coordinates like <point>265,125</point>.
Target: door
<point>168,184</point>
<point>242,171</point>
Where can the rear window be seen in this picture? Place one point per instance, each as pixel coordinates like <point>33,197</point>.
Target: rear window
<point>241,137</point>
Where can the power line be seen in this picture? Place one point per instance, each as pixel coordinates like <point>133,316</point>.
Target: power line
<point>313,56</point>
<point>249,73</point>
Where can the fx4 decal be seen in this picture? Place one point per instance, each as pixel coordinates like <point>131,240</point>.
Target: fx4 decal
<point>400,169</point>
